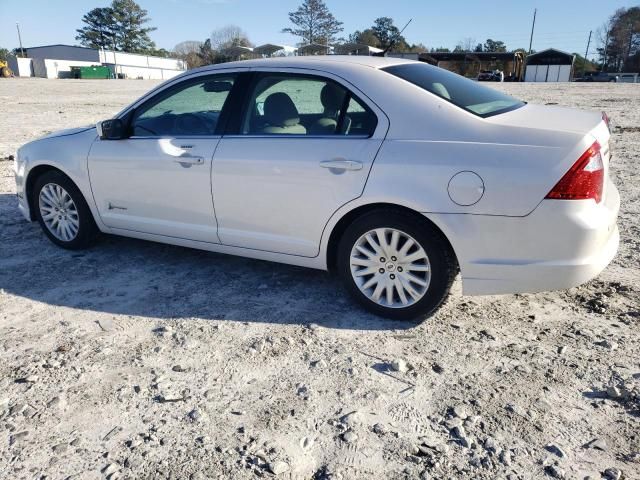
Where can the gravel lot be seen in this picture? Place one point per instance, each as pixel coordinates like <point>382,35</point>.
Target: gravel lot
<point>140,360</point>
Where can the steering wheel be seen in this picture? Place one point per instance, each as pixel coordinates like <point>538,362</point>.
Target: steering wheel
<point>190,124</point>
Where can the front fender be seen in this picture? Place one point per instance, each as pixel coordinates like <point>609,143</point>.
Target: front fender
<point>67,153</point>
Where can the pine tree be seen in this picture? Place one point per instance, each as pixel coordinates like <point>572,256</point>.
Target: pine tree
<point>131,34</point>
<point>99,30</point>
<point>314,23</point>
<point>120,26</point>
<point>386,32</point>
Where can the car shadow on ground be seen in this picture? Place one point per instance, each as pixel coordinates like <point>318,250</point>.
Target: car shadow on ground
<point>138,278</point>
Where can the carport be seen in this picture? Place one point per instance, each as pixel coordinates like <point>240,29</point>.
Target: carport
<point>268,49</point>
<point>549,65</point>
<point>238,52</point>
<point>352,48</point>
<point>313,49</point>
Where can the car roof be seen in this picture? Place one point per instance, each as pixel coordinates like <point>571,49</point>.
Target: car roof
<point>311,61</point>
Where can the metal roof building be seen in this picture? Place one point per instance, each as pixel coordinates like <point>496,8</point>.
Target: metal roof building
<point>549,65</point>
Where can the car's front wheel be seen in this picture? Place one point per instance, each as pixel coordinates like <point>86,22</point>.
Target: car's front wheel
<point>62,211</point>
<point>396,265</point>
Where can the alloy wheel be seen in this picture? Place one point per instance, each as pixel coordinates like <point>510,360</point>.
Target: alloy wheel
<point>59,212</point>
<point>390,268</point>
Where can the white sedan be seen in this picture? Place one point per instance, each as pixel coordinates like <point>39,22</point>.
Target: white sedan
<point>393,173</point>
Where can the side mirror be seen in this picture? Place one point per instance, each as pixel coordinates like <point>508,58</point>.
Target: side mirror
<point>113,129</point>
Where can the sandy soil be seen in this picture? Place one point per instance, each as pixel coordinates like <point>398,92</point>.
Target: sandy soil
<point>139,360</point>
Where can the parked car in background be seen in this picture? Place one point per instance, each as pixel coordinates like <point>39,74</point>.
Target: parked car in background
<point>393,173</point>
<point>628,78</point>
<point>599,77</point>
<point>488,76</point>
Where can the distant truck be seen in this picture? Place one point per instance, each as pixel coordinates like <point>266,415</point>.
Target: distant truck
<point>598,77</point>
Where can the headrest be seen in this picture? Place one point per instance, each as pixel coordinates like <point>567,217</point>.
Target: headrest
<point>332,97</point>
<point>279,110</point>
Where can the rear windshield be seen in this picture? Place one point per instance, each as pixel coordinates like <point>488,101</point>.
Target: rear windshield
<point>472,96</point>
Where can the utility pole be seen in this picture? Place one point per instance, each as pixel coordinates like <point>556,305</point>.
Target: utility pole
<point>533,26</point>
<point>586,53</point>
<point>20,40</point>
<point>115,64</point>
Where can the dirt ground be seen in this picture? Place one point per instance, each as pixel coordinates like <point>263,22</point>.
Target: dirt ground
<point>139,360</point>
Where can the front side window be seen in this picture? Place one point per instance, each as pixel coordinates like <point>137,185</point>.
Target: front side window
<point>192,108</point>
<point>467,94</point>
<point>281,104</point>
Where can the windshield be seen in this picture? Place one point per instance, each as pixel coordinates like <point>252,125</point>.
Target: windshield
<point>473,97</point>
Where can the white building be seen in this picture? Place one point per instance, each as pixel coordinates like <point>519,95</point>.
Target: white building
<point>55,61</point>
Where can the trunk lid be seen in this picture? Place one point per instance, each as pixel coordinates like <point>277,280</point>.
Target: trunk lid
<point>545,117</point>
<point>589,126</point>
<point>558,119</point>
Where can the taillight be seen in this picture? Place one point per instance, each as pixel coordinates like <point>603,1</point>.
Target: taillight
<point>584,180</point>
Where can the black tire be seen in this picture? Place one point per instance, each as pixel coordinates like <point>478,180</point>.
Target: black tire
<point>87,230</point>
<point>443,264</point>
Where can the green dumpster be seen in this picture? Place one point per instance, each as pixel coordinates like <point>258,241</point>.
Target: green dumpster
<point>94,71</point>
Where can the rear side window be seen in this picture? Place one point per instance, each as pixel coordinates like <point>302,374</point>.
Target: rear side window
<point>467,94</point>
<point>304,105</point>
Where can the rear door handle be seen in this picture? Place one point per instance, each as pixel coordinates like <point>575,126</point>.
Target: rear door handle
<point>188,160</point>
<point>341,164</point>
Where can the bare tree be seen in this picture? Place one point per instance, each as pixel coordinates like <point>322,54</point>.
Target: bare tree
<point>229,36</point>
<point>602,41</point>
<point>468,44</point>
<point>187,47</point>
<point>189,51</point>
<point>620,48</point>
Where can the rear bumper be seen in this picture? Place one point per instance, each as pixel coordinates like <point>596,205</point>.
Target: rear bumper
<point>488,279</point>
<point>561,244</point>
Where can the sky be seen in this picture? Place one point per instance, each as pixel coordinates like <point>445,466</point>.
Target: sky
<point>562,24</point>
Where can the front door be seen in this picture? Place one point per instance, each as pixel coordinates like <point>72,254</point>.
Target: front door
<point>158,180</point>
<point>303,147</point>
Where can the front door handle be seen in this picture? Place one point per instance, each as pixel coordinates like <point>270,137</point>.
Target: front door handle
<point>341,164</point>
<point>189,160</point>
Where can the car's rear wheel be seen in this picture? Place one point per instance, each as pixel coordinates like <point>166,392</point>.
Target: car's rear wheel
<point>62,211</point>
<point>395,265</point>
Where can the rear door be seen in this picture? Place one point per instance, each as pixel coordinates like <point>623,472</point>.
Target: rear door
<point>302,146</point>
<point>158,180</point>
